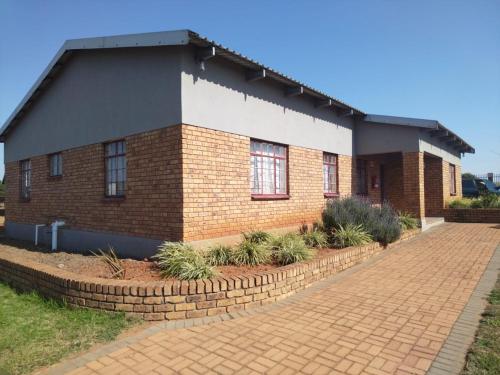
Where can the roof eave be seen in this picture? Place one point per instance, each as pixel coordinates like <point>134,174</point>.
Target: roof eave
<point>435,128</point>
<point>163,38</point>
<point>245,61</point>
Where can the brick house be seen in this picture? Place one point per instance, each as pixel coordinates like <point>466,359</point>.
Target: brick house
<point>135,139</point>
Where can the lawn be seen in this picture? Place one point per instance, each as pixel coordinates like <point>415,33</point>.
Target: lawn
<point>484,354</point>
<point>35,332</point>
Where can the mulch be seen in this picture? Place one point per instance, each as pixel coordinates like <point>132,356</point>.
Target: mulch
<point>93,266</point>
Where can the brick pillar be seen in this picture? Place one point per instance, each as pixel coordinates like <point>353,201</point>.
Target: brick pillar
<point>458,178</point>
<point>413,183</point>
<point>446,185</point>
<point>434,181</point>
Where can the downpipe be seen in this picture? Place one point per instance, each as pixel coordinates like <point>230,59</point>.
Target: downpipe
<point>54,226</point>
<point>37,228</point>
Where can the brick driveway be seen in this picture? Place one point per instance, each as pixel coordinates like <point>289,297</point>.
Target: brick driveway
<point>391,315</point>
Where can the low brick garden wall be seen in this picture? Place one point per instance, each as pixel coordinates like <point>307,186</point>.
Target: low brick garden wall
<point>170,300</point>
<point>472,215</point>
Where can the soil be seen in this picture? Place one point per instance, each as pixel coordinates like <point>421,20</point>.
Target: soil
<point>93,266</point>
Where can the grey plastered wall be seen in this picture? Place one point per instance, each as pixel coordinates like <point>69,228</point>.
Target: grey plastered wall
<point>433,146</point>
<point>220,98</point>
<point>76,240</point>
<point>373,138</point>
<point>101,95</point>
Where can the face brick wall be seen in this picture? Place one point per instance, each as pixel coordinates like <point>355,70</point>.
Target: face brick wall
<point>435,185</point>
<point>393,179</point>
<point>183,183</point>
<point>458,179</point>
<point>373,171</point>
<point>446,182</point>
<point>217,198</point>
<point>190,183</point>
<point>413,183</point>
<point>153,204</point>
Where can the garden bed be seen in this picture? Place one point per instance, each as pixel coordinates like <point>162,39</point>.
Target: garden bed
<point>93,266</point>
<point>139,270</point>
<point>78,283</point>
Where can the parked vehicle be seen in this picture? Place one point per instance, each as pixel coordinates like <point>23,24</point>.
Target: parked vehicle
<point>473,188</point>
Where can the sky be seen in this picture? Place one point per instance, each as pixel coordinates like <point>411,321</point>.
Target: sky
<point>427,59</point>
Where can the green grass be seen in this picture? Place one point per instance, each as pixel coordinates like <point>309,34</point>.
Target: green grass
<point>35,332</point>
<point>484,354</point>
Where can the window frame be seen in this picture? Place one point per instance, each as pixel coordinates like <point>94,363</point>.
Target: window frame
<point>60,164</point>
<point>453,179</point>
<point>271,196</point>
<point>25,197</point>
<point>106,158</point>
<point>336,193</point>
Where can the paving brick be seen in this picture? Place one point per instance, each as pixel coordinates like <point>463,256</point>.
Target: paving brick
<point>357,322</point>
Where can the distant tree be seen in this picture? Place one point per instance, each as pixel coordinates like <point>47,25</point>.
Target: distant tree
<point>468,176</point>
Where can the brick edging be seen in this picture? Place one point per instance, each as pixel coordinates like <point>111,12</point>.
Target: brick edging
<point>451,358</point>
<point>472,215</point>
<point>173,300</point>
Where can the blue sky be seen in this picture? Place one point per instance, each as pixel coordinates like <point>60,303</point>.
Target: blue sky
<point>428,59</point>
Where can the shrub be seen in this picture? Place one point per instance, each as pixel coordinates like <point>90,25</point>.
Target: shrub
<point>257,236</point>
<point>251,253</point>
<point>318,226</point>
<point>386,227</point>
<point>484,201</point>
<point>351,235</point>
<point>315,238</point>
<point>113,262</point>
<point>475,203</point>
<point>180,260</point>
<point>490,200</point>
<point>407,221</point>
<point>197,268</point>
<point>219,255</point>
<point>289,248</point>
<point>340,212</point>
<point>382,222</point>
<point>303,229</point>
<point>460,203</point>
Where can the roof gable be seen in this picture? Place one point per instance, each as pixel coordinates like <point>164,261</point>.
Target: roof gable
<point>206,48</point>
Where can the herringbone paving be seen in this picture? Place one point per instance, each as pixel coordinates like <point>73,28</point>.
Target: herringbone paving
<point>390,315</point>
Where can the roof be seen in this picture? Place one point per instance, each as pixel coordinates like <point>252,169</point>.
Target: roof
<point>206,50</point>
<point>434,127</point>
<point>165,38</point>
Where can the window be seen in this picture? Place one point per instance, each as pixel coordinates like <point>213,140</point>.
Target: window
<point>26,179</point>
<point>362,187</point>
<point>116,169</point>
<point>330,169</point>
<point>55,165</point>
<point>268,169</point>
<point>453,186</point>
